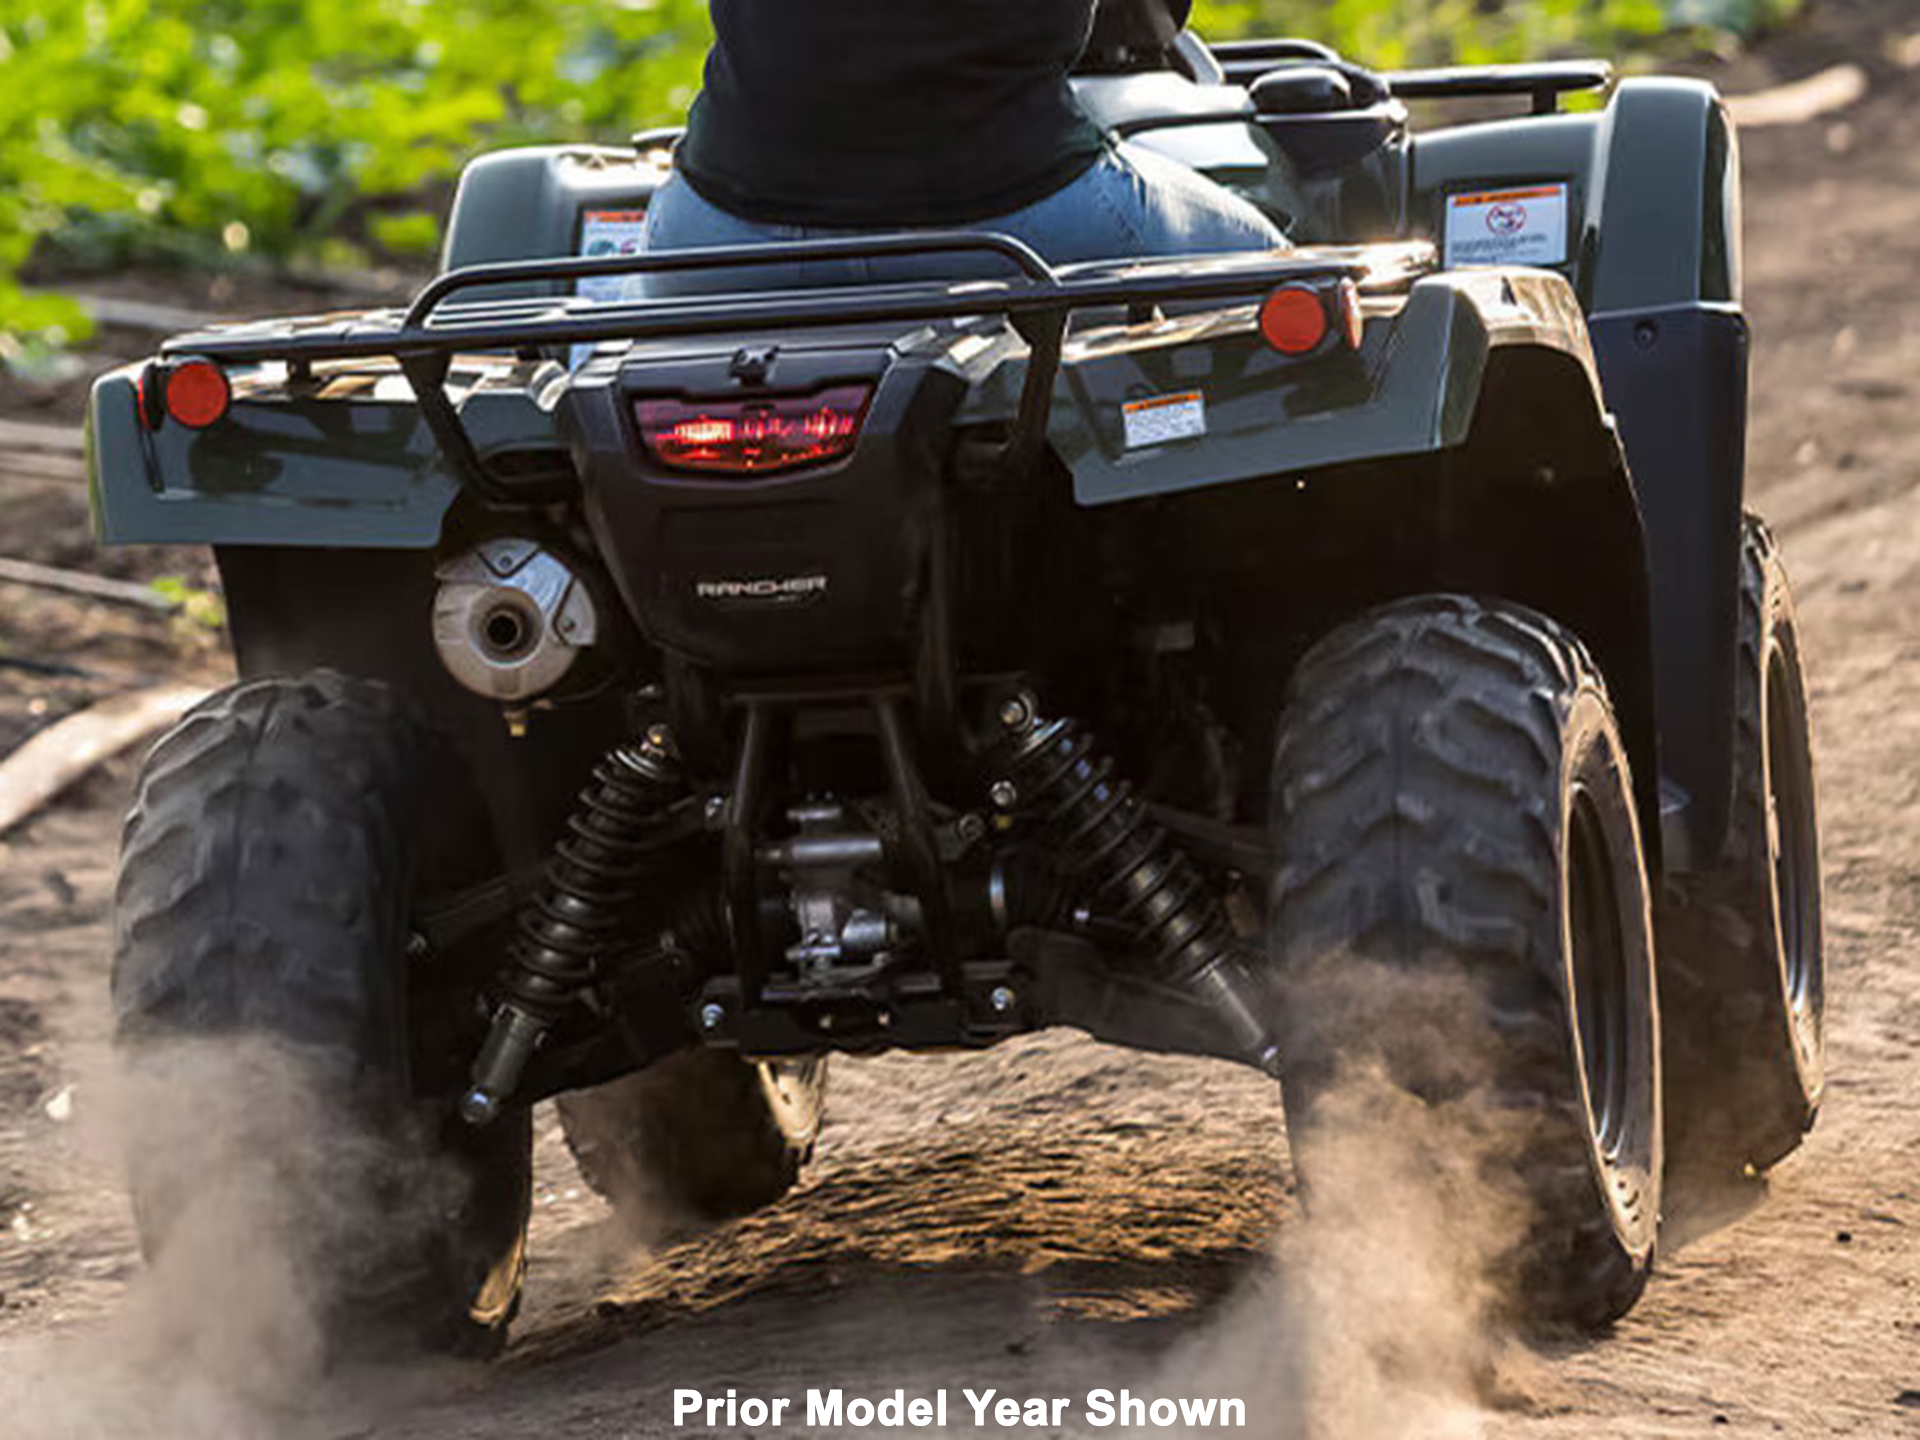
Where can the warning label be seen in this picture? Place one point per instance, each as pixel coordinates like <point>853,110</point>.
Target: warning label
<point>604,233</point>
<point>1161,418</point>
<point>1508,227</point>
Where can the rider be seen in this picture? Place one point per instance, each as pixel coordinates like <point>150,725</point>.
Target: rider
<point>824,118</point>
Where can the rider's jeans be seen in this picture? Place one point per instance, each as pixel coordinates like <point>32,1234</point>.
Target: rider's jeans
<point>1130,202</point>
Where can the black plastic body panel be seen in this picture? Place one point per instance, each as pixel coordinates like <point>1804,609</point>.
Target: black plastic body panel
<point>1677,381</point>
<point>840,549</point>
<point>527,203</point>
<point>1654,257</point>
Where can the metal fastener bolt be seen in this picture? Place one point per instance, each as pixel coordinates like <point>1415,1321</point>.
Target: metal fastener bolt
<point>1016,711</point>
<point>1004,794</point>
<point>716,808</point>
<point>1001,998</point>
<point>970,827</point>
<point>659,737</point>
<point>711,1014</point>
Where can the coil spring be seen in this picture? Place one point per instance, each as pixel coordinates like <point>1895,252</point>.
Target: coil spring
<point>597,873</point>
<point>1110,852</point>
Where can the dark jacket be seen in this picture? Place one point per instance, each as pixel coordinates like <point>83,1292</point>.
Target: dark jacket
<point>888,112</point>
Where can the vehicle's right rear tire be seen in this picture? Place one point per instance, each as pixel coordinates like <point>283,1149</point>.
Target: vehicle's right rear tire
<point>1461,904</point>
<point>697,1137</point>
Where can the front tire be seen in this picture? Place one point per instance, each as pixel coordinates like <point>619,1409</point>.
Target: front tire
<point>1462,903</point>
<point>261,926</point>
<point>1742,966</point>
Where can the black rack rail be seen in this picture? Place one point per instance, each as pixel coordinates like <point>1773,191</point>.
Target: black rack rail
<point>1245,61</point>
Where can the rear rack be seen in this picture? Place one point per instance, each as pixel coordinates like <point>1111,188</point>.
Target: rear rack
<point>1037,298</point>
<point>1245,61</point>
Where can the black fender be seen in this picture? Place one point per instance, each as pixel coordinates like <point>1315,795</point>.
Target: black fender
<point>1662,288</point>
<point>1654,196</point>
<point>1466,447</point>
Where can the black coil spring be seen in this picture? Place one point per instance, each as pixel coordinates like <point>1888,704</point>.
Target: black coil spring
<point>1107,849</point>
<point>598,872</point>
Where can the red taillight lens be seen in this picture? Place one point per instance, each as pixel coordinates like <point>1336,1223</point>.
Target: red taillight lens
<point>1293,319</point>
<point>197,392</point>
<point>759,436</point>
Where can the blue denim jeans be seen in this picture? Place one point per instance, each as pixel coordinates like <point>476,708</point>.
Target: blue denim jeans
<point>1131,202</point>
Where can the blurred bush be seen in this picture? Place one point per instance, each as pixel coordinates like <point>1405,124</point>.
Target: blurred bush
<point>300,130</point>
<point>322,132</point>
<point>1390,33</point>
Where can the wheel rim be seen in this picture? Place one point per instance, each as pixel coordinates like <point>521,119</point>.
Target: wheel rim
<point>1600,979</point>
<point>1791,839</point>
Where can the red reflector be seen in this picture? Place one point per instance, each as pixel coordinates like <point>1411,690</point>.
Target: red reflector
<point>754,437</point>
<point>197,393</point>
<point>1293,319</point>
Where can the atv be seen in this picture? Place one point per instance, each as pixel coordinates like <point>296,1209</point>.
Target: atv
<point>643,698</point>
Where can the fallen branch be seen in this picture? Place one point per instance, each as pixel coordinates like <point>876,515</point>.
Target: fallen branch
<point>144,315</point>
<point>69,748</point>
<point>1819,94</point>
<point>79,582</point>
<point>30,451</point>
<point>42,468</point>
<point>17,436</point>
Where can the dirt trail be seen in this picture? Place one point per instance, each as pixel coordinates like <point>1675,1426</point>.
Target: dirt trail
<point>1055,1216</point>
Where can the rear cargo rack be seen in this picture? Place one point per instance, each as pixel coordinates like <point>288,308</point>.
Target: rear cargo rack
<point>1036,297</point>
<point>1245,61</point>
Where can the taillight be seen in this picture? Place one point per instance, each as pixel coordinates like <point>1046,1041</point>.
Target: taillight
<point>756,436</point>
<point>195,392</point>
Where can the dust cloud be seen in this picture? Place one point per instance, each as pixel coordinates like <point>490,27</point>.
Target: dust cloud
<point>1384,1315</point>
<point>260,1185</point>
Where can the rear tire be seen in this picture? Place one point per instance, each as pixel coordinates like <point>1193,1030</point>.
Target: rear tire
<point>1461,902</point>
<point>261,930</point>
<point>698,1137</point>
<point>1742,969</point>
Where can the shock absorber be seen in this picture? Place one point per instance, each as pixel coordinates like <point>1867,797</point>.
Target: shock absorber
<point>1113,856</point>
<point>599,870</point>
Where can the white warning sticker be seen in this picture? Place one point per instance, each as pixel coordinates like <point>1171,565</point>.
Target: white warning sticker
<point>1160,418</point>
<point>605,233</point>
<point>1525,226</point>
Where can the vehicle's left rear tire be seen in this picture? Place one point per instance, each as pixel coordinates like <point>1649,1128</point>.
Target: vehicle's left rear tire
<point>260,984</point>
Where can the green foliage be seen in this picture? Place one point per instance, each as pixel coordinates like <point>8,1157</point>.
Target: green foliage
<point>317,131</point>
<point>1395,33</point>
<point>196,609</point>
<point>205,129</point>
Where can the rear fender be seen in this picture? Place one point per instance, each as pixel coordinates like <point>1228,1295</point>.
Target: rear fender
<point>1472,418</point>
<point>358,471</point>
<point>1413,388</point>
<point>1654,200</point>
